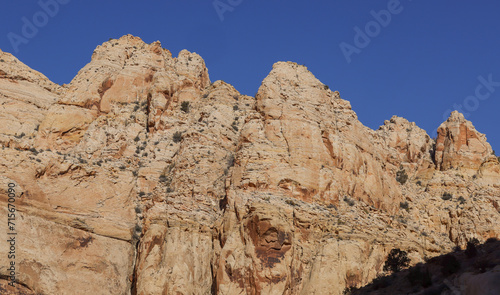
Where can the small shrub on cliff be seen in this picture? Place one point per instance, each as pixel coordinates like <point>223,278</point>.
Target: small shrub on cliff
<point>396,261</point>
<point>177,137</point>
<point>446,196</point>
<point>404,205</point>
<point>230,160</point>
<point>401,176</point>
<point>185,106</point>
<point>471,250</point>
<point>163,178</point>
<point>349,202</point>
<point>461,200</point>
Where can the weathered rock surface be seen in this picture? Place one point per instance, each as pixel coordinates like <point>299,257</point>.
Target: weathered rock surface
<point>143,173</point>
<point>459,144</point>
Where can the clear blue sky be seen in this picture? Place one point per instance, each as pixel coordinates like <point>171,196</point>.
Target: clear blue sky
<point>427,58</point>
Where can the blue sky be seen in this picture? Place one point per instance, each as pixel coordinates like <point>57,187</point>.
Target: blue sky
<point>429,58</point>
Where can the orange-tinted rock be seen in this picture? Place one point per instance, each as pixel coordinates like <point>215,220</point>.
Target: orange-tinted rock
<point>459,145</point>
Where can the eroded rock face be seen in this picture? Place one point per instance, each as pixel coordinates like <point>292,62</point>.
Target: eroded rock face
<point>459,145</point>
<point>143,173</point>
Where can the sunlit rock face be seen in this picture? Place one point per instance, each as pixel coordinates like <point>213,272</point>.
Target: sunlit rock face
<point>459,145</point>
<point>141,176</point>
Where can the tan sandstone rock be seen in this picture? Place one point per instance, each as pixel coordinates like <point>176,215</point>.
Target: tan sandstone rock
<point>143,177</point>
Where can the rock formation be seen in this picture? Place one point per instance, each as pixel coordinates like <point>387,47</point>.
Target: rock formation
<point>143,177</point>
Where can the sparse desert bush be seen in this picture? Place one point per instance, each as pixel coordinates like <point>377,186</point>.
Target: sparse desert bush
<point>163,178</point>
<point>404,205</point>
<point>401,176</point>
<point>185,106</point>
<point>396,261</point>
<point>349,201</point>
<point>446,196</point>
<point>177,137</point>
<point>471,250</point>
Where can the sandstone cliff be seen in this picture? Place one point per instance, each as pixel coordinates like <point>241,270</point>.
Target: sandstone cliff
<point>143,177</point>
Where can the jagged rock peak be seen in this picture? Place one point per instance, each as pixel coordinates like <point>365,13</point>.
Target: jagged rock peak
<point>460,145</point>
<point>292,75</point>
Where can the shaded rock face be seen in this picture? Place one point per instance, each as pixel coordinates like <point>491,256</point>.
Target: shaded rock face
<point>464,273</point>
<point>143,173</point>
